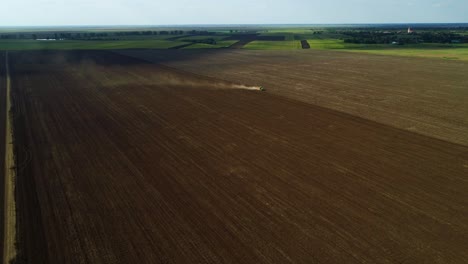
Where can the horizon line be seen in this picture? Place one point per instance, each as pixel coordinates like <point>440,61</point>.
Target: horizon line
<point>233,24</point>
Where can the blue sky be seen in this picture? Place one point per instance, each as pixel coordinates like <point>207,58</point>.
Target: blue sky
<point>154,12</point>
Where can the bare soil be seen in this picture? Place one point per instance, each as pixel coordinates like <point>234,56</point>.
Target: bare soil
<point>426,96</point>
<point>130,162</point>
<point>245,39</point>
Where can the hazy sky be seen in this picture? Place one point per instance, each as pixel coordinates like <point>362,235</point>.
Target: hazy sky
<point>155,12</point>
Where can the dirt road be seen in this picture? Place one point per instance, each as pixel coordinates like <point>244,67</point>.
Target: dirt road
<point>9,207</point>
<point>3,83</point>
<point>128,162</point>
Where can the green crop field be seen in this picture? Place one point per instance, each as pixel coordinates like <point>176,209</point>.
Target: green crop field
<point>195,38</point>
<point>143,37</point>
<point>273,45</point>
<point>318,38</point>
<point>299,34</point>
<point>75,44</point>
<point>449,53</point>
<point>333,44</point>
<point>442,51</point>
<point>219,44</point>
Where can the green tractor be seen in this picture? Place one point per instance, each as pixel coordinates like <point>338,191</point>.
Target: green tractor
<point>262,88</point>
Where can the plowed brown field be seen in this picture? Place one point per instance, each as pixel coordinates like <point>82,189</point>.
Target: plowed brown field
<point>121,161</point>
<point>426,96</point>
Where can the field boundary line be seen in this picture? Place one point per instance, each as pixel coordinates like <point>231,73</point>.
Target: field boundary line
<point>9,247</point>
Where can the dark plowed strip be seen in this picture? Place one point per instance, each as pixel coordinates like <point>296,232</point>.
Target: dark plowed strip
<point>179,37</point>
<point>240,44</point>
<point>305,44</point>
<point>181,46</point>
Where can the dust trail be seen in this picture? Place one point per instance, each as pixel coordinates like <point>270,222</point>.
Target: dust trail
<point>170,79</point>
<point>245,87</point>
<point>159,77</point>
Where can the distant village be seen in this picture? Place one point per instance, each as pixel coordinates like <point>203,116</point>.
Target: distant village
<point>401,37</point>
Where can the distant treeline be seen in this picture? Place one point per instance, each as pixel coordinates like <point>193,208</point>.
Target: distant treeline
<point>100,35</point>
<point>402,37</point>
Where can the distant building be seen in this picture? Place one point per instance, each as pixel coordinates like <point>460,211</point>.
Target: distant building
<point>410,30</point>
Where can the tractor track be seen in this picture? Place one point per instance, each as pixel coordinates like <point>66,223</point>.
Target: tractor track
<point>9,250</point>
